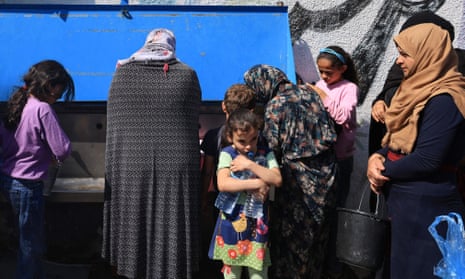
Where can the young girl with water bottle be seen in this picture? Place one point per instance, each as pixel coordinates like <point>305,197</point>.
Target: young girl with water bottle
<point>245,173</point>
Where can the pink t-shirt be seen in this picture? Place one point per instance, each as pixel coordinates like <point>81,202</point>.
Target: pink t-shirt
<point>341,103</point>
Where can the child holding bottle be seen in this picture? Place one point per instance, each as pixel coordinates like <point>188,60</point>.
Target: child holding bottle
<point>245,173</point>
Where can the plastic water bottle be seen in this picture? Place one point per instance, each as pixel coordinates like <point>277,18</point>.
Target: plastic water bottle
<point>253,206</point>
<point>226,201</point>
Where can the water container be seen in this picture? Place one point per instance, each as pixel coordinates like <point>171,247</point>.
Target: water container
<point>253,206</point>
<point>226,201</point>
<point>362,236</point>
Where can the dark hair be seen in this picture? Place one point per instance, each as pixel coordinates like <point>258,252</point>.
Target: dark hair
<point>244,120</point>
<point>429,17</point>
<point>351,73</point>
<point>239,96</point>
<point>39,81</point>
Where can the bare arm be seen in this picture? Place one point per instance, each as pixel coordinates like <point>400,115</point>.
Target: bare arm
<point>226,183</point>
<point>319,91</point>
<point>269,176</point>
<point>378,110</point>
<point>374,169</point>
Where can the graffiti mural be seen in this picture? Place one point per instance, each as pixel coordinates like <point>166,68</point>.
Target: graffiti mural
<point>372,46</point>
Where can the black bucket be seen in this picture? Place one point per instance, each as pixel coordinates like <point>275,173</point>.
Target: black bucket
<point>362,237</point>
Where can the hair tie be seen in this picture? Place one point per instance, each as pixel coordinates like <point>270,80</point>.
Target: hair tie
<point>24,87</point>
<point>335,53</point>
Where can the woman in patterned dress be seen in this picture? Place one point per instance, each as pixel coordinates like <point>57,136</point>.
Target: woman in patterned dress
<point>152,179</point>
<point>302,135</point>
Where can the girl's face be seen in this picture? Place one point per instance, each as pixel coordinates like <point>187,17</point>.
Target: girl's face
<point>328,72</point>
<point>405,61</point>
<point>245,141</point>
<point>55,93</point>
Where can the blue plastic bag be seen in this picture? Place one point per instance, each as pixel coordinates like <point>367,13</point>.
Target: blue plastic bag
<point>452,247</point>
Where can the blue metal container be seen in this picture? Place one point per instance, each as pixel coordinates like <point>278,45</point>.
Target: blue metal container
<point>219,42</point>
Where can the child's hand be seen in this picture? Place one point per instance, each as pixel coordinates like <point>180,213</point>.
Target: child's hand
<point>315,88</point>
<point>262,192</point>
<point>240,163</point>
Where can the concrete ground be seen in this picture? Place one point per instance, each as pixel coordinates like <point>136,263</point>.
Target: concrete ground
<point>52,270</point>
<point>73,233</point>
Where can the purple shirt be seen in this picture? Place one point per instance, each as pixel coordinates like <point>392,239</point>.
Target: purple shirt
<point>37,141</point>
<point>341,103</point>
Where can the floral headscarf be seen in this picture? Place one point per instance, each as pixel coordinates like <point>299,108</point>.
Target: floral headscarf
<point>434,72</point>
<point>160,45</point>
<point>265,81</point>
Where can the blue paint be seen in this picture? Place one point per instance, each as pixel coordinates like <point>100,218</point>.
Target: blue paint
<point>219,42</point>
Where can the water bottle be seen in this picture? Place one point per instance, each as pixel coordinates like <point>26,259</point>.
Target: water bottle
<point>253,206</point>
<point>226,201</point>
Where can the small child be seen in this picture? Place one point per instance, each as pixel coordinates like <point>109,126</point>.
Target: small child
<point>241,232</point>
<point>338,90</point>
<point>236,96</point>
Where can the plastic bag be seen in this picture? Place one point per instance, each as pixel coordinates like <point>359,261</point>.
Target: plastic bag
<point>452,247</point>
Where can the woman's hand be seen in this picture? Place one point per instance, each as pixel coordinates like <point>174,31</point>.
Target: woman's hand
<point>374,169</point>
<point>378,110</point>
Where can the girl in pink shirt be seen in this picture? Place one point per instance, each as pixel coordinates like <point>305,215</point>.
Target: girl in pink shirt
<point>338,90</point>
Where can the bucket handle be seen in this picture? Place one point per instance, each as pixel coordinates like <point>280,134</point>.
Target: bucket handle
<point>377,201</point>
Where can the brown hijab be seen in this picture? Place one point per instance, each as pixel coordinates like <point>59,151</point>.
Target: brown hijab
<point>434,72</point>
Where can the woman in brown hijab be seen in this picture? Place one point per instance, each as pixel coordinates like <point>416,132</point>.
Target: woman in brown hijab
<point>423,145</point>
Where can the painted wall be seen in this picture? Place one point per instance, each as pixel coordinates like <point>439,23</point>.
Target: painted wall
<point>364,28</point>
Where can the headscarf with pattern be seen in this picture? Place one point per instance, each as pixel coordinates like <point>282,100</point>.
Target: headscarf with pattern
<point>434,72</point>
<point>265,81</point>
<point>160,45</point>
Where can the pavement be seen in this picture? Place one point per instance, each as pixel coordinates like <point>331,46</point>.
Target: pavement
<point>52,270</point>
<point>73,232</point>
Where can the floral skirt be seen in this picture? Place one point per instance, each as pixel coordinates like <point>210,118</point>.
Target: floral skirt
<point>241,241</point>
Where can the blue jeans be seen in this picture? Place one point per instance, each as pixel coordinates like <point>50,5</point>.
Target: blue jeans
<point>27,202</point>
